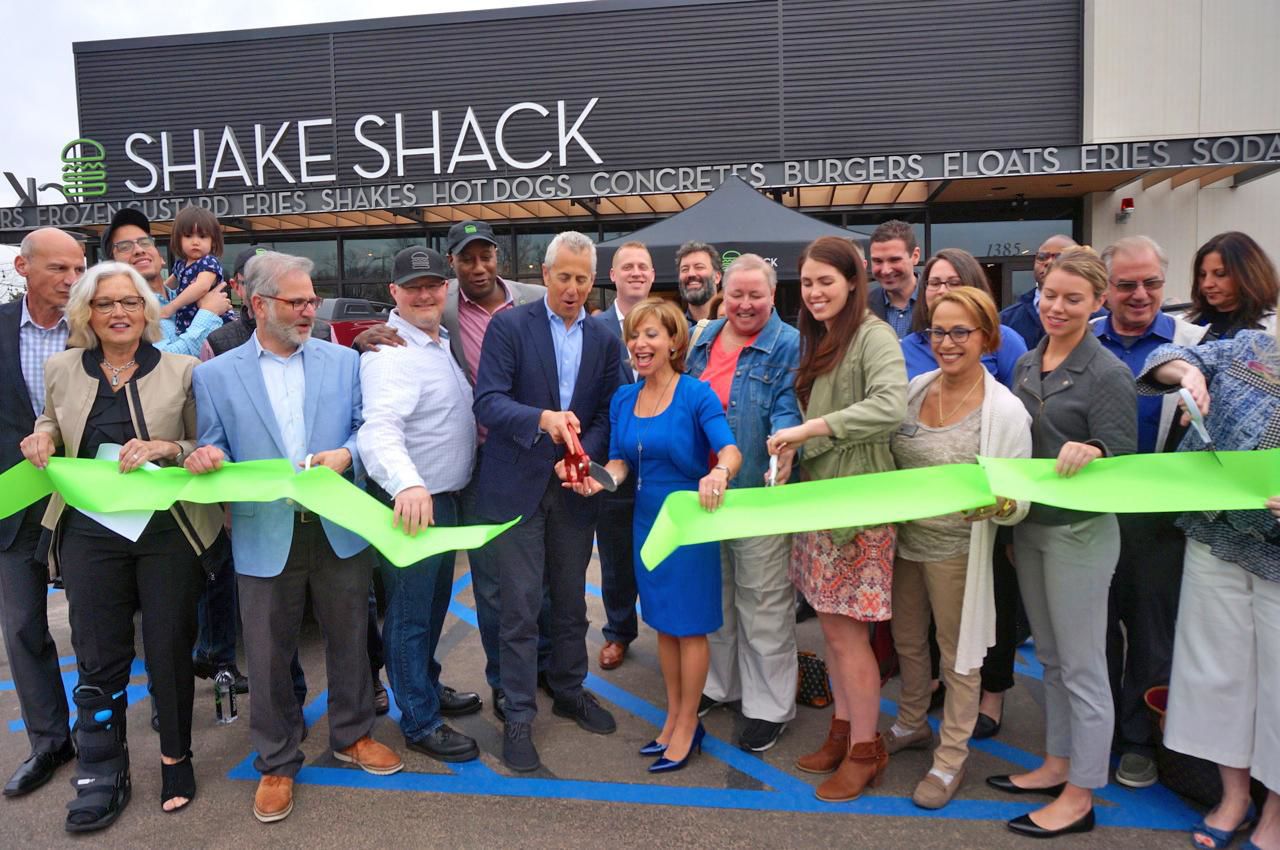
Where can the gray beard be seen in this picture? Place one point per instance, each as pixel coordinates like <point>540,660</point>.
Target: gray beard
<point>697,299</point>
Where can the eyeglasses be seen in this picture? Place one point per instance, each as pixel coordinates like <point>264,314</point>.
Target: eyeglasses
<point>958,334</point>
<point>298,304</point>
<point>1154,284</point>
<point>106,306</point>
<point>125,246</point>
<point>415,288</point>
<point>1047,256</point>
<point>943,283</point>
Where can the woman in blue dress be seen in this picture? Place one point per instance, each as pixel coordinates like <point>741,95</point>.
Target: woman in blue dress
<point>664,430</point>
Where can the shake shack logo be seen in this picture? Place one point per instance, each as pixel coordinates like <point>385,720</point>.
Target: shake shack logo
<point>84,175</point>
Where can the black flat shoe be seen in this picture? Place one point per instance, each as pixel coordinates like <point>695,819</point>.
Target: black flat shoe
<point>985,727</point>
<point>499,697</point>
<point>1026,826</point>
<point>1005,783</point>
<point>38,769</point>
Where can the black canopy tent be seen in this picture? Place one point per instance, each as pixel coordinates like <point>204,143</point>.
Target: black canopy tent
<point>735,218</point>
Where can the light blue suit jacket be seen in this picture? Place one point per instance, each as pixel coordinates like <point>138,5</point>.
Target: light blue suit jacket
<point>233,412</point>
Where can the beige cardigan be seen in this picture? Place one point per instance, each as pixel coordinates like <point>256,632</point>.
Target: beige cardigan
<point>1005,431</point>
<point>168,407</point>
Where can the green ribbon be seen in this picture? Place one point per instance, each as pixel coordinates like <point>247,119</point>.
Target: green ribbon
<point>1148,483</point>
<point>98,485</point>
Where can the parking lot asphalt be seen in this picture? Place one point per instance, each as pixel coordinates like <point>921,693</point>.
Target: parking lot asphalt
<point>592,791</point>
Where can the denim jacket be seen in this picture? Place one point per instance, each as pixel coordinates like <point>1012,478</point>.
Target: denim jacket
<point>1243,374</point>
<point>762,399</point>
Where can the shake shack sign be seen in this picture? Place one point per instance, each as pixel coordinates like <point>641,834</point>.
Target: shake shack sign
<point>240,175</point>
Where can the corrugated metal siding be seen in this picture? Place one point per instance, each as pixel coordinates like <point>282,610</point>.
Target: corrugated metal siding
<point>875,76</point>
<point>678,84</point>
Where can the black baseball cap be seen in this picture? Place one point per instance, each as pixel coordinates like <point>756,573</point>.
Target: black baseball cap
<point>127,215</point>
<point>413,263</point>
<point>243,258</point>
<point>464,233</point>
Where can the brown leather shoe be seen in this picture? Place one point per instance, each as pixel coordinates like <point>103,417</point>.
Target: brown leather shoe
<point>920,739</point>
<point>371,757</point>
<point>933,793</point>
<point>611,654</point>
<point>833,750</point>
<point>863,767</point>
<point>274,798</point>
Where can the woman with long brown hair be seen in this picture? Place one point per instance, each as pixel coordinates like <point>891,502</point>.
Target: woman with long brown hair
<point>1233,286</point>
<point>852,389</point>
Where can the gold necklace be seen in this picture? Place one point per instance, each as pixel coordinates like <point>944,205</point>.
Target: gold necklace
<point>942,419</point>
<point>640,429</point>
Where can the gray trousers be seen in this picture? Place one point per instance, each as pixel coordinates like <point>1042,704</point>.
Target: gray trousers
<point>33,657</point>
<point>271,612</point>
<point>551,545</point>
<point>1065,572</point>
<point>753,655</point>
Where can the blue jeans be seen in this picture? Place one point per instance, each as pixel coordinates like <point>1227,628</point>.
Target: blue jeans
<point>417,603</point>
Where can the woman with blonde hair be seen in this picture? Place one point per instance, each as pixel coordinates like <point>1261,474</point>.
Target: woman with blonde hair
<point>1083,406</point>
<point>112,393</point>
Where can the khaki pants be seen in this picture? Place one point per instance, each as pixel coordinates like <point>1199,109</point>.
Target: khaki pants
<point>920,590</point>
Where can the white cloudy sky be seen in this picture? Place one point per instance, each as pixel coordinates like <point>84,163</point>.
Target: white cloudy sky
<point>39,93</point>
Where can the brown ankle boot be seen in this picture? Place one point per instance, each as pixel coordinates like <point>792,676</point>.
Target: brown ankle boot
<point>833,750</point>
<point>864,766</point>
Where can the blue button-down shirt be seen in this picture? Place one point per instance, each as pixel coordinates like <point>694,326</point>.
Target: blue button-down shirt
<point>286,381</point>
<point>35,346</point>
<point>1134,356</point>
<point>568,345</point>
<point>899,320</point>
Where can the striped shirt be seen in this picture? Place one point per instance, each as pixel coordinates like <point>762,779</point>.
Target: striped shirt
<point>35,346</point>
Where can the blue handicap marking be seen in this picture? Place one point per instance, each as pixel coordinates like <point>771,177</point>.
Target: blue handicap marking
<point>1149,808</point>
<point>134,693</point>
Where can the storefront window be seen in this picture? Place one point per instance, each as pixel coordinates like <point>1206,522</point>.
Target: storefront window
<point>372,259</point>
<point>997,238</point>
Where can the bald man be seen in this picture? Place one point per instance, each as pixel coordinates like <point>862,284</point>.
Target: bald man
<point>31,329</point>
<point>1023,315</point>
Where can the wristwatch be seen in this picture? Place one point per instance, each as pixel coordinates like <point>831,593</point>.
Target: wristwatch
<point>177,460</point>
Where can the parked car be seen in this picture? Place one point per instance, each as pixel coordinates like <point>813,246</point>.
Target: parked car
<point>347,317</point>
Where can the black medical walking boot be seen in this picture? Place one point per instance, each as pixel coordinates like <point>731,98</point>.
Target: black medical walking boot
<point>102,769</point>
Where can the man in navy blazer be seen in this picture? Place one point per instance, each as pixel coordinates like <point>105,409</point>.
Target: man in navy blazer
<point>284,395</point>
<point>632,275</point>
<point>546,374</point>
<point>32,329</point>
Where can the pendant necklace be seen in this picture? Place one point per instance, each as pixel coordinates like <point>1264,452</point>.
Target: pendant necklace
<point>942,419</point>
<point>116,370</point>
<point>640,429</point>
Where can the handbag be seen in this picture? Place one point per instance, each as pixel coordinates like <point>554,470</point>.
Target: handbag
<point>813,686</point>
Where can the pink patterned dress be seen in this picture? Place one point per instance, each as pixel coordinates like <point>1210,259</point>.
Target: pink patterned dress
<point>855,580</point>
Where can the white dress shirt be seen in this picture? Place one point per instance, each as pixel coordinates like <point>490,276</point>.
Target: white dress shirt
<point>418,428</point>
<point>286,380</point>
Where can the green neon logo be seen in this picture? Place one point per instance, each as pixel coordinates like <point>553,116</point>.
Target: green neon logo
<point>728,257</point>
<point>84,169</point>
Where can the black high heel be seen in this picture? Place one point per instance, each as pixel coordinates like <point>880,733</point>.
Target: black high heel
<point>666,765</point>
<point>177,780</point>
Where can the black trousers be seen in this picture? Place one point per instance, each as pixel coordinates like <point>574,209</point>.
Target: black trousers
<point>33,657</point>
<point>108,578</point>
<point>997,669</point>
<point>615,542</point>
<point>551,545</point>
<point>1144,600</point>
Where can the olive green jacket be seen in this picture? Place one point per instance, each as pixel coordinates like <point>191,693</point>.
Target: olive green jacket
<point>863,401</point>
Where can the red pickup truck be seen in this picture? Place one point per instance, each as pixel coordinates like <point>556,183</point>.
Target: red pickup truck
<point>347,317</point>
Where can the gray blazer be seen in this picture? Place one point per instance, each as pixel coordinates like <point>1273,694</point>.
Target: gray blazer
<point>1090,398</point>
<point>521,293</point>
